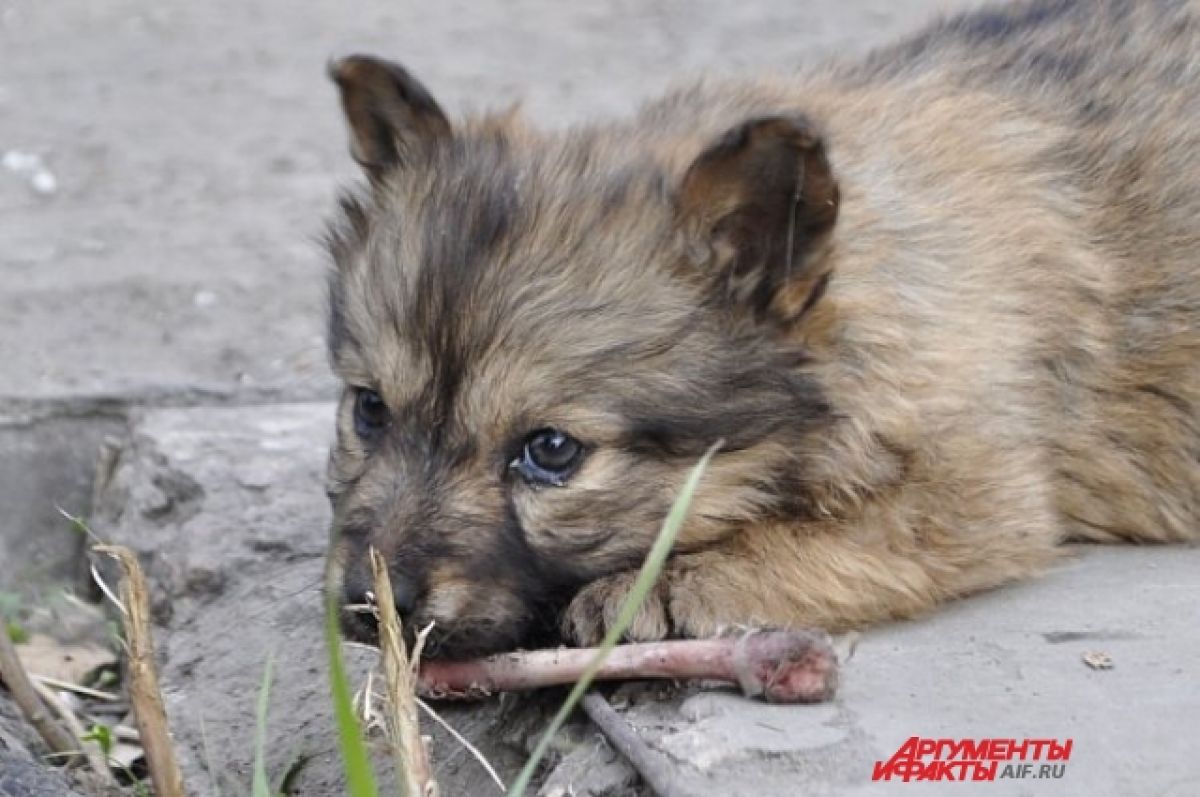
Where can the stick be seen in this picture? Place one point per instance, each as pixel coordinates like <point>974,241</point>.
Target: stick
<point>780,666</point>
<point>26,695</point>
<point>143,679</point>
<point>402,722</point>
<point>654,771</point>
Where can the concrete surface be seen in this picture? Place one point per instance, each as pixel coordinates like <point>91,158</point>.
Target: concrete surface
<point>44,465</point>
<point>195,148</point>
<point>19,777</point>
<point>1007,665</point>
<point>225,506</point>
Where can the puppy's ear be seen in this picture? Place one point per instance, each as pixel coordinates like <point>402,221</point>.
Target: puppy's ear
<point>392,117</point>
<point>761,202</point>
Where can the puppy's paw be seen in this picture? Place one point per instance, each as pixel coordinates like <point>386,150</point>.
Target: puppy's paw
<point>681,604</point>
<point>698,610</point>
<point>595,608</point>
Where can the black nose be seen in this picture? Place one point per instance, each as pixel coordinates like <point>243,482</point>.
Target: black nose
<point>359,594</point>
<point>404,591</point>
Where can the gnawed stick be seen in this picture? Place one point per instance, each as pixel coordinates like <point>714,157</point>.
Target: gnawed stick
<point>143,677</point>
<point>792,666</point>
<point>402,721</point>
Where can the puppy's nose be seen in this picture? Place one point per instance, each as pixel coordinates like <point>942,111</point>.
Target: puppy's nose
<point>404,590</point>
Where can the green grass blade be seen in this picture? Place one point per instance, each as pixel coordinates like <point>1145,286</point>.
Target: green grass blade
<point>208,759</point>
<point>259,787</point>
<point>641,587</point>
<point>288,780</point>
<point>360,779</point>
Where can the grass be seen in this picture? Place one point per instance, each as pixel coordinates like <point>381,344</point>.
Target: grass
<point>259,787</point>
<point>360,779</point>
<point>16,632</point>
<point>10,606</point>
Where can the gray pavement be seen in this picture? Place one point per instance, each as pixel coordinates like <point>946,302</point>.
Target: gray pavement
<point>195,148</point>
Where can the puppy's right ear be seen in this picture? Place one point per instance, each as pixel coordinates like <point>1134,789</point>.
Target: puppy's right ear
<point>764,200</point>
<point>392,117</point>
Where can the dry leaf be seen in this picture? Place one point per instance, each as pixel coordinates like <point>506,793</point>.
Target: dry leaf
<point>46,656</point>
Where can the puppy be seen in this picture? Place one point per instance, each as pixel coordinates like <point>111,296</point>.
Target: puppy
<point>941,305</point>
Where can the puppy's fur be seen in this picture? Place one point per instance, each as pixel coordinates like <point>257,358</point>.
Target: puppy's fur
<point>941,305</point>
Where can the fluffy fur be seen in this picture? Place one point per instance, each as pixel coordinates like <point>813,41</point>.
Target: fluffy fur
<point>942,305</point>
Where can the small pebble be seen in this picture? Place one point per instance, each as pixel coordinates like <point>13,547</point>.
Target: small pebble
<point>44,182</point>
<point>30,166</point>
<point>20,162</point>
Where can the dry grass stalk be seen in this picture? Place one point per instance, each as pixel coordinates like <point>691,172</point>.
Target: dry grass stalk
<point>27,697</point>
<point>462,740</point>
<point>143,677</point>
<point>400,681</point>
<point>67,686</point>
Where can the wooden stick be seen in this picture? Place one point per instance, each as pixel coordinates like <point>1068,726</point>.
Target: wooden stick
<point>144,693</point>
<point>27,697</point>
<point>795,666</point>
<point>402,721</point>
<point>654,770</point>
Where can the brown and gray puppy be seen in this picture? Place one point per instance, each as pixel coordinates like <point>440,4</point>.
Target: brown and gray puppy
<point>942,305</point>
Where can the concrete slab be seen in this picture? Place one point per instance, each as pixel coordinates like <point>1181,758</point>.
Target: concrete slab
<point>46,465</point>
<point>194,149</point>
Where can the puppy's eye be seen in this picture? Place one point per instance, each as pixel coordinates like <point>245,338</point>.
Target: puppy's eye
<point>549,457</point>
<point>370,412</point>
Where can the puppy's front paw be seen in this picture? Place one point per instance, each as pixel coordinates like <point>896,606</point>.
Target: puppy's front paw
<point>595,608</point>
<point>682,603</point>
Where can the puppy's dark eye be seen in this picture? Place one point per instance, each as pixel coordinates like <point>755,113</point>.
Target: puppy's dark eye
<point>549,457</point>
<point>370,412</point>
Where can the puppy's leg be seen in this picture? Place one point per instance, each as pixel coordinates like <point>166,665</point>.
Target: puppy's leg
<point>824,575</point>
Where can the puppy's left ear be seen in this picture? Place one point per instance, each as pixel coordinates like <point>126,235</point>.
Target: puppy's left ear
<point>761,202</point>
<point>393,119</point>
